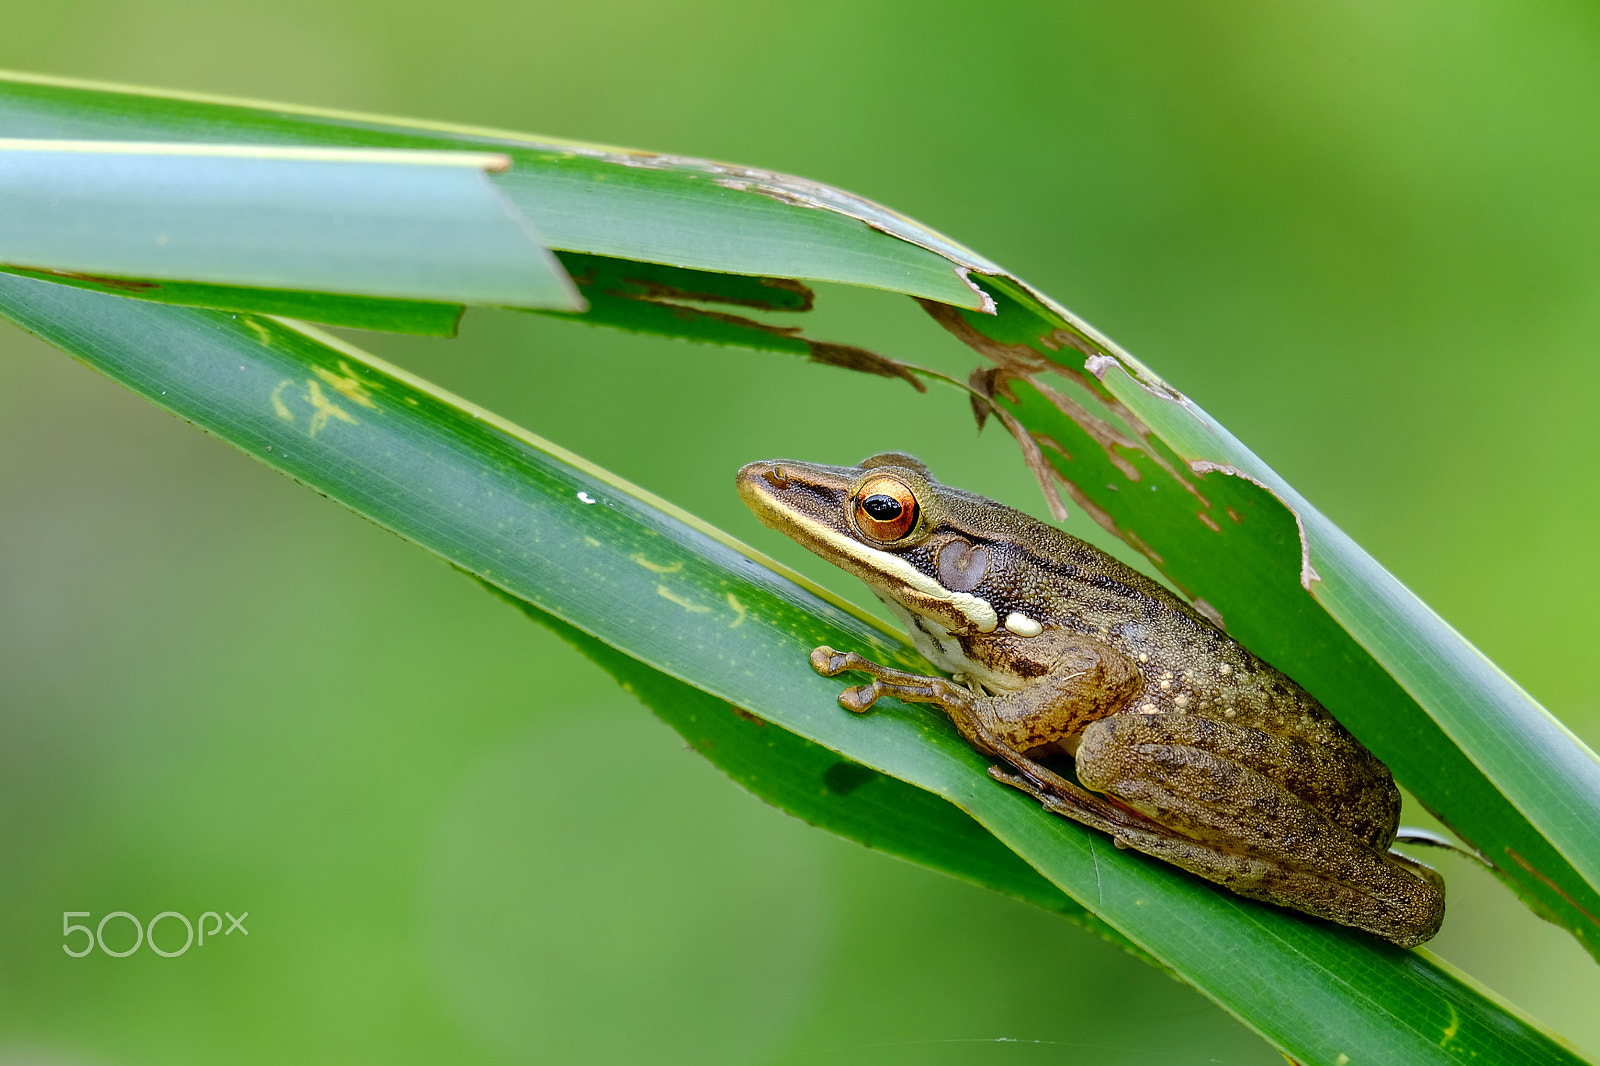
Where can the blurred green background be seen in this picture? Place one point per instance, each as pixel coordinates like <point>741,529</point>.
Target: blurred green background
<point>1366,236</point>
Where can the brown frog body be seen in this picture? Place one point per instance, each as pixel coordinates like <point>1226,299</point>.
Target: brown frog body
<point>1186,746</point>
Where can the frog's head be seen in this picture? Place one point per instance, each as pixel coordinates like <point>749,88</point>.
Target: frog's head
<point>887,521</point>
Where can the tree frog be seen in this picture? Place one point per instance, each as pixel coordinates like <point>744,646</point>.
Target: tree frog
<point>1184,745</point>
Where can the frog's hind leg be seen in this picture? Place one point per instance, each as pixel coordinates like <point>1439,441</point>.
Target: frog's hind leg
<point>1237,827</point>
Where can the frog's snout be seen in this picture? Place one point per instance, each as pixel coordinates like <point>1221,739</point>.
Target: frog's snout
<point>752,476</point>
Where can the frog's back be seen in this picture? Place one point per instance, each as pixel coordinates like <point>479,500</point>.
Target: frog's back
<point>1189,664</point>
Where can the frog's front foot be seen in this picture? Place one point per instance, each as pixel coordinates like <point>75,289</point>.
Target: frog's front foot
<point>830,663</point>
<point>886,681</point>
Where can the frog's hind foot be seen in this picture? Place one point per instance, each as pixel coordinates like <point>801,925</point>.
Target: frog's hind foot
<point>1231,824</point>
<point>1069,801</point>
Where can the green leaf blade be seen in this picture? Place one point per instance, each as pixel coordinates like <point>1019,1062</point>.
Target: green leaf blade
<point>580,197</point>
<point>405,225</point>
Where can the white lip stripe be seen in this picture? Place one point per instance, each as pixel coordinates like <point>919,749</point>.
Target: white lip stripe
<point>973,609</point>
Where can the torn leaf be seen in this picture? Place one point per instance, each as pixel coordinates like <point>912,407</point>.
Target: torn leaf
<point>685,304</point>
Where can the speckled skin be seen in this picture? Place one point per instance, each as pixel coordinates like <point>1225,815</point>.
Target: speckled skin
<point>1187,746</point>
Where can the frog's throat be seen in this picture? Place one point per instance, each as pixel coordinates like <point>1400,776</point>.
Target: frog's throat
<point>873,566</point>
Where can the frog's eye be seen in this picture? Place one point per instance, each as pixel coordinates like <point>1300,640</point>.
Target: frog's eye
<point>885,509</point>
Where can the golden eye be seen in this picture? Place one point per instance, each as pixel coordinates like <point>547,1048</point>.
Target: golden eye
<point>885,509</point>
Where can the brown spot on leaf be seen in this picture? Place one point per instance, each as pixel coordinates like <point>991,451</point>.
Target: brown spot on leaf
<point>1149,553</point>
<point>1043,472</point>
<point>1047,441</point>
<point>1101,516</point>
<point>125,284</point>
<point>1081,342</point>
<point>1213,615</point>
<point>642,287</point>
<point>1019,359</point>
<point>981,382</point>
<point>747,716</point>
<point>1098,429</point>
<point>807,298</point>
<point>862,360</point>
<point>658,291</point>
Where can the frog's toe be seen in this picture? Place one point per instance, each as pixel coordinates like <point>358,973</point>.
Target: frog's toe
<point>1016,781</point>
<point>827,662</point>
<point>1025,782</point>
<point>860,698</point>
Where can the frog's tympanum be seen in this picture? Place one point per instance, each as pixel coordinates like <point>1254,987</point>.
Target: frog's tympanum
<point>1185,746</point>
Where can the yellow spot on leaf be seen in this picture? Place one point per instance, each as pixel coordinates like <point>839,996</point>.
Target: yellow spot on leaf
<point>1452,1029</point>
<point>261,332</point>
<point>688,605</point>
<point>591,542</point>
<point>324,409</point>
<point>280,408</point>
<point>657,568</point>
<point>738,608</point>
<point>346,384</point>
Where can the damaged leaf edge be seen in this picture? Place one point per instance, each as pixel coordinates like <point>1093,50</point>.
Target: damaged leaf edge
<point>1308,573</point>
<point>788,189</point>
<point>683,302</point>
